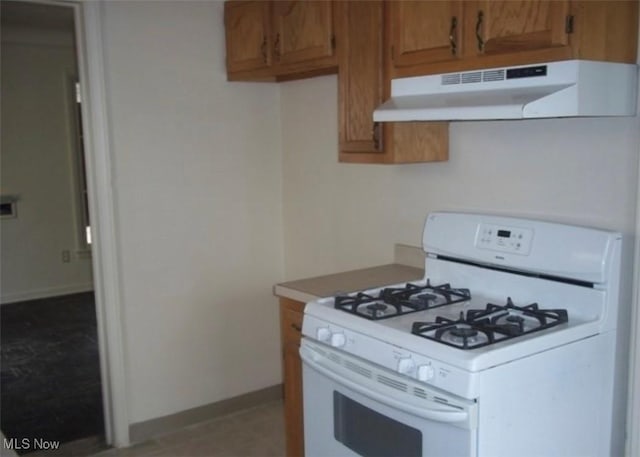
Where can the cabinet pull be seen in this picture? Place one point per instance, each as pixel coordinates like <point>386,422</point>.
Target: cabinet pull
<point>276,47</point>
<point>263,49</point>
<point>568,24</point>
<point>452,35</point>
<point>296,327</point>
<point>478,26</point>
<point>376,136</point>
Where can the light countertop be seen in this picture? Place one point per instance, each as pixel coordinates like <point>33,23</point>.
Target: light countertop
<point>305,290</point>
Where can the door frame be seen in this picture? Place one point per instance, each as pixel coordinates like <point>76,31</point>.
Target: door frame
<point>104,251</point>
<point>633,413</point>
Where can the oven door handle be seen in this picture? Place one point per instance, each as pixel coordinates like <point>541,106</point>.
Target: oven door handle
<point>314,361</point>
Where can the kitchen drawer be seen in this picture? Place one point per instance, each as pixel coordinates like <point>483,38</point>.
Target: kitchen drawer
<point>291,320</point>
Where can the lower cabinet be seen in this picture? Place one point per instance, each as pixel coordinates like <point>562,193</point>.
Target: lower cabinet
<point>291,312</point>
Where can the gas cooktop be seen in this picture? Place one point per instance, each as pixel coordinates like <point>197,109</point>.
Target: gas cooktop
<point>474,328</point>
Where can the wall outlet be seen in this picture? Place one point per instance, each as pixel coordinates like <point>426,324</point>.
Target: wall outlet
<point>66,256</point>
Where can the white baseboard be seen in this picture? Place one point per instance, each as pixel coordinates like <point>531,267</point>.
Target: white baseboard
<point>143,431</point>
<point>45,293</point>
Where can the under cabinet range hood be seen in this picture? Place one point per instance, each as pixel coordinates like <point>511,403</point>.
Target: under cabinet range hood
<point>571,88</point>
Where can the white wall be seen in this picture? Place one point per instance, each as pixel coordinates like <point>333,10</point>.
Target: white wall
<point>37,165</point>
<point>198,203</point>
<point>344,216</point>
<point>210,175</point>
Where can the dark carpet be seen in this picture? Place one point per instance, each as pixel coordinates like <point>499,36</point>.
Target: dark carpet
<point>50,384</point>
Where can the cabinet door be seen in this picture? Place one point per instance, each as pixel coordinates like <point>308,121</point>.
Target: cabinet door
<point>512,26</point>
<point>247,29</point>
<point>425,31</point>
<point>303,30</point>
<point>360,83</point>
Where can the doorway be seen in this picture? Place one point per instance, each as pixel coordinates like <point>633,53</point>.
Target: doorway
<point>50,358</point>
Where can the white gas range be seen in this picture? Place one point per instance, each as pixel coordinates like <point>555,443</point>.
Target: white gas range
<point>507,347</point>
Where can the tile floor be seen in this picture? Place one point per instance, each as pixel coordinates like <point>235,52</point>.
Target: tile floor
<point>256,432</point>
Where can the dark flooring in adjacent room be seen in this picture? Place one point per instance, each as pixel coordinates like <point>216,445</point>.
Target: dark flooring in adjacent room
<point>50,385</point>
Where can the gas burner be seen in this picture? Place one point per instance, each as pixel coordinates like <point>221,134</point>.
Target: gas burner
<point>527,319</point>
<point>462,335</point>
<point>352,301</point>
<point>377,309</point>
<point>463,332</point>
<point>425,297</point>
<point>400,300</point>
<point>493,324</point>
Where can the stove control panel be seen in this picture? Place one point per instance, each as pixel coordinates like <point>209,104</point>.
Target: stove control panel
<point>406,365</point>
<point>504,239</point>
<point>425,373</point>
<point>424,369</point>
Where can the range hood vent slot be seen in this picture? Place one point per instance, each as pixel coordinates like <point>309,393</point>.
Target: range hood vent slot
<point>471,77</point>
<point>493,75</point>
<point>451,78</point>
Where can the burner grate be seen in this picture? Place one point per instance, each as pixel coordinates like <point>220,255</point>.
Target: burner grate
<point>495,323</point>
<point>397,301</point>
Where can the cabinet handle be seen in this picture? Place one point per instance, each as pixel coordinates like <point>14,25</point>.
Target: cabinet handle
<point>263,49</point>
<point>297,328</point>
<point>276,47</point>
<point>452,35</point>
<point>478,26</point>
<point>376,136</point>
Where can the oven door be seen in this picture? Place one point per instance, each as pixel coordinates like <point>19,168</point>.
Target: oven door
<point>355,408</point>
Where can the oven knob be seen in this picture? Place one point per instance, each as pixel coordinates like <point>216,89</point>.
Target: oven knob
<point>425,372</point>
<point>323,334</point>
<point>406,365</point>
<point>338,340</point>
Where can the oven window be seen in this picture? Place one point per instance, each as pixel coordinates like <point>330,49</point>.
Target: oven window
<point>370,433</point>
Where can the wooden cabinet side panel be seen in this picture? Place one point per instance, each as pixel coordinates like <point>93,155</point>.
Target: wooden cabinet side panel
<point>293,410</point>
<point>291,314</point>
<point>606,30</point>
<point>360,64</point>
<point>419,141</point>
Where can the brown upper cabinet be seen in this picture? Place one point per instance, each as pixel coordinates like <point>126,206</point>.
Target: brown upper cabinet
<point>429,37</point>
<point>248,36</point>
<point>360,76</point>
<point>363,85</point>
<point>371,42</point>
<point>425,31</point>
<point>507,27</point>
<point>279,40</point>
